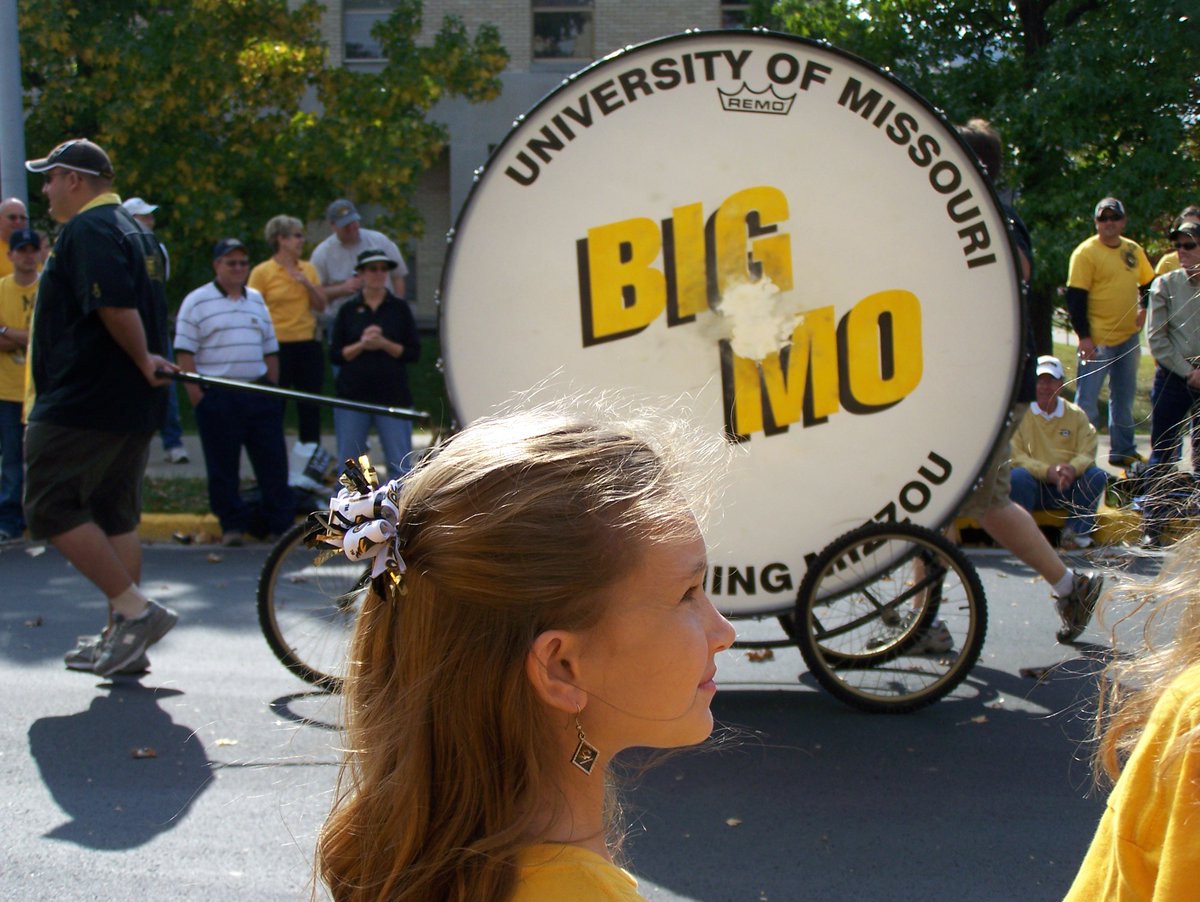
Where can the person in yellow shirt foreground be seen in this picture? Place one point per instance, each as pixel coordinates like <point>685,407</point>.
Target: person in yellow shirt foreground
<point>1147,846</point>
<point>537,607</point>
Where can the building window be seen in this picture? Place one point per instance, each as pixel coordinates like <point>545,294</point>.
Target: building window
<point>734,14</point>
<point>562,30</point>
<point>358,18</point>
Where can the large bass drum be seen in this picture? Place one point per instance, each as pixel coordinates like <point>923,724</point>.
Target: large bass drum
<point>782,234</point>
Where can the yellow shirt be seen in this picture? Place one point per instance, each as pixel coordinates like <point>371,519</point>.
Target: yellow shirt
<point>6,266</point>
<point>1111,276</point>
<point>287,299</point>
<point>1148,843</point>
<point>558,873</point>
<point>1065,437</point>
<point>1168,262</point>
<point>16,312</point>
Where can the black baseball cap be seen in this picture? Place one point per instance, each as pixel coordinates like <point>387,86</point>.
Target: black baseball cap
<point>374,257</point>
<point>79,154</point>
<point>24,238</point>
<point>1187,227</point>
<point>225,245</point>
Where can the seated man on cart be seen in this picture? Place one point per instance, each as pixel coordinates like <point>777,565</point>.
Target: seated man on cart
<point>1054,458</point>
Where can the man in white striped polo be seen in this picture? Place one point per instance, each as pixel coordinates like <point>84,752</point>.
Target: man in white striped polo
<point>224,329</point>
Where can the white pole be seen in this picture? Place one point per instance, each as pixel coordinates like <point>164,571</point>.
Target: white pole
<point>12,115</point>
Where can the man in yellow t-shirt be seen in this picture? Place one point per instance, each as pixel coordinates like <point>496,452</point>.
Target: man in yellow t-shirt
<point>18,291</point>
<point>1107,275</point>
<point>13,216</point>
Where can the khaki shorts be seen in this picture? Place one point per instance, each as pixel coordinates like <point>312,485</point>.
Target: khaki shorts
<point>993,491</point>
<point>78,476</point>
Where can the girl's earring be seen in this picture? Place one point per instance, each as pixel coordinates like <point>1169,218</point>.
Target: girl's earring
<point>585,753</point>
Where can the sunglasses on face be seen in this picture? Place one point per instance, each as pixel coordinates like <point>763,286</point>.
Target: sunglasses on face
<point>1109,217</point>
<point>376,267</point>
<point>1184,245</point>
<point>235,263</point>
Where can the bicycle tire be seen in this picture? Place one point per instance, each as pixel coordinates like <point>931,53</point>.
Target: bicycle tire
<point>865,603</point>
<point>307,611</point>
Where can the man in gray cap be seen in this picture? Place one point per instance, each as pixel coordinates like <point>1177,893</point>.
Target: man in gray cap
<point>99,335</point>
<point>336,256</point>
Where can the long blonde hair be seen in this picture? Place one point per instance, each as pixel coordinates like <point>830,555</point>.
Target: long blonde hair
<point>1131,686</point>
<point>512,528</point>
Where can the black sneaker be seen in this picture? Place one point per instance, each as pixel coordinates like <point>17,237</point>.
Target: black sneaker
<point>1076,608</point>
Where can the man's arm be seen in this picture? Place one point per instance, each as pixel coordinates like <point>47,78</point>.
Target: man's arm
<point>187,363</point>
<point>12,339</point>
<point>272,362</point>
<point>125,326</point>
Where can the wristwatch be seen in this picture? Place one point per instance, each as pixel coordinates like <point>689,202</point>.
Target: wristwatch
<point>3,330</point>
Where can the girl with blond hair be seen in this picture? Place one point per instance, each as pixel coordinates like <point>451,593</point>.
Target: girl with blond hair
<point>1147,845</point>
<point>538,606</point>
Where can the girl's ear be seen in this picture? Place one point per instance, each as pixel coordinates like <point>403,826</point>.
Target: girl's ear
<point>551,667</point>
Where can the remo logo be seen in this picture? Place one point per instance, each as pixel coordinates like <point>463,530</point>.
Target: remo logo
<point>773,236</point>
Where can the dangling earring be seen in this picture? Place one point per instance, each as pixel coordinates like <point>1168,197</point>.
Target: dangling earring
<point>585,753</point>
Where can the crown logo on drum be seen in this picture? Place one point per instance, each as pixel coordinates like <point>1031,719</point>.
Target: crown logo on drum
<point>746,100</point>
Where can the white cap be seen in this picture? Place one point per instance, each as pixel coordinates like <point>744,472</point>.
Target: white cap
<point>1049,366</point>
<point>138,207</point>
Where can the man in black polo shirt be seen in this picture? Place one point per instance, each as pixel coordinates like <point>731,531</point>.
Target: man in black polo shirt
<point>99,332</point>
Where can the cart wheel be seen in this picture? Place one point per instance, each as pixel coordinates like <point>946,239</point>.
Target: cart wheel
<point>890,617</point>
<point>307,611</point>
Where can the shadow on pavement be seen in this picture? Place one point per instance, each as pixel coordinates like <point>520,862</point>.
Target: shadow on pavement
<point>90,764</point>
<point>801,795</point>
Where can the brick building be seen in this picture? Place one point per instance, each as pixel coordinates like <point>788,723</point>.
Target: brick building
<point>545,40</point>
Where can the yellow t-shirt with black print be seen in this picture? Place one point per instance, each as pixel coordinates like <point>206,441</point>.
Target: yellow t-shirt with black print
<point>16,312</point>
<point>1111,276</point>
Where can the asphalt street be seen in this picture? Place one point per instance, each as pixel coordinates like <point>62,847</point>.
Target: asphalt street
<point>209,777</point>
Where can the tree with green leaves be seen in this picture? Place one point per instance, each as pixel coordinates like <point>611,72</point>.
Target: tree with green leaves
<point>1092,97</point>
<point>227,112</point>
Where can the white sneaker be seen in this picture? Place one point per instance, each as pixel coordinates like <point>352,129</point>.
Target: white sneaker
<point>176,455</point>
<point>1074,541</point>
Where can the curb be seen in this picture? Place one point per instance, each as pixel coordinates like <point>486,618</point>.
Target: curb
<point>162,527</point>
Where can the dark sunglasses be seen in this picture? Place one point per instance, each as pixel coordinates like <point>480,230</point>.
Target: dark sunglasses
<point>1184,245</point>
<point>1109,217</point>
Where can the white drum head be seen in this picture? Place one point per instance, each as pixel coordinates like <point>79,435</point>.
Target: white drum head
<point>782,233</point>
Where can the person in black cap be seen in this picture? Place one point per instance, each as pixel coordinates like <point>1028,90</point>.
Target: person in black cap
<point>17,293</point>
<point>374,339</point>
<point>99,335</point>
<point>1107,274</point>
<point>224,329</point>
<point>1175,343</point>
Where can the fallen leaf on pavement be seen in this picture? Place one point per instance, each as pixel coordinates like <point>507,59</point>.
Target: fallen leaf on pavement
<point>36,621</point>
<point>756,657</point>
<point>733,822</point>
<point>224,742</point>
<point>143,752</point>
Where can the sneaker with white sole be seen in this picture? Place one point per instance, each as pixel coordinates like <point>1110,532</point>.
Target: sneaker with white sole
<point>129,639</point>
<point>87,648</point>
<point>176,455</point>
<point>1076,608</point>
